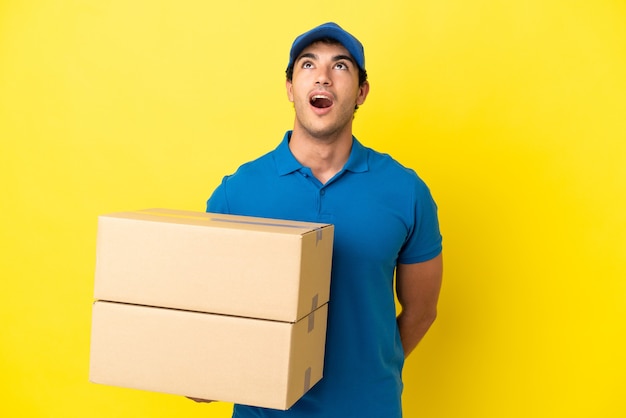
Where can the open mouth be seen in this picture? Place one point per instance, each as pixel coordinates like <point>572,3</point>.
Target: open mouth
<point>321,101</point>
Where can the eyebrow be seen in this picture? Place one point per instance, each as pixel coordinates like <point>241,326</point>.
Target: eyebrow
<point>335,58</point>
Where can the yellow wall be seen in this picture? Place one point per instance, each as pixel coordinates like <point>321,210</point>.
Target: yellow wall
<point>513,112</point>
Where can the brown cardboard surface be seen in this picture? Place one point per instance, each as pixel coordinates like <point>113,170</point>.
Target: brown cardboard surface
<point>236,265</point>
<point>249,361</point>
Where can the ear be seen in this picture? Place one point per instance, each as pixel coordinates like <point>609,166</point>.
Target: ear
<point>289,87</point>
<point>364,89</point>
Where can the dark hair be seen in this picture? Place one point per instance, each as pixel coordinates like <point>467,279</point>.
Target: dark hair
<point>329,41</point>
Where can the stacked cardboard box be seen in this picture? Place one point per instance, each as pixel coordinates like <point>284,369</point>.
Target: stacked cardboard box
<point>211,306</point>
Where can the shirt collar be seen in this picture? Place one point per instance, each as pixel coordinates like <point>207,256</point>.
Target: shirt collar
<point>286,163</point>
<point>357,162</point>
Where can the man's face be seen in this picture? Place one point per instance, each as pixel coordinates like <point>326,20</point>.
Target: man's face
<point>325,90</point>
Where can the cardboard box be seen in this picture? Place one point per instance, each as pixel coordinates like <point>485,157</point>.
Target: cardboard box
<point>235,265</point>
<point>249,361</point>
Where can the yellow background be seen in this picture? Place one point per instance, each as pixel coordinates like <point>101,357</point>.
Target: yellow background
<point>513,112</point>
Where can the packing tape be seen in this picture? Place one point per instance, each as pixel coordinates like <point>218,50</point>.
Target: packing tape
<point>307,379</point>
<point>311,321</point>
<point>257,223</point>
<point>200,217</point>
<point>318,236</point>
<point>314,301</point>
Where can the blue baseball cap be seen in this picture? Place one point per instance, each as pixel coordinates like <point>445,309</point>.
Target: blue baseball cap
<point>332,31</point>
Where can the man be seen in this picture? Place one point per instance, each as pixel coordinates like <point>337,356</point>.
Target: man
<point>385,221</point>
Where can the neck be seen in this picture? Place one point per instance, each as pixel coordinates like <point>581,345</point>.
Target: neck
<point>324,156</point>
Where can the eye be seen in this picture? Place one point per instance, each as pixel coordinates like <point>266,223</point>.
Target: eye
<point>307,64</point>
<point>341,66</point>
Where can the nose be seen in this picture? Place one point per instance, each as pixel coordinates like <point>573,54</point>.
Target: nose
<point>323,77</point>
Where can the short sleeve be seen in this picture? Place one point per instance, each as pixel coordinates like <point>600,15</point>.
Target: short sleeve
<point>218,203</point>
<point>424,241</point>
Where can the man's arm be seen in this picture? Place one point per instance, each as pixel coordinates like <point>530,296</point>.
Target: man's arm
<point>417,287</point>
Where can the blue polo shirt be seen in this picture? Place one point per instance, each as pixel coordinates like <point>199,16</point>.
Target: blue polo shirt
<point>383,215</point>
